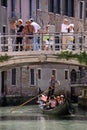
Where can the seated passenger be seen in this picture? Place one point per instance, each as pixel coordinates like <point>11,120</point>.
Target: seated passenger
<point>62,98</point>
<point>58,100</point>
<point>47,105</point>
<point>44,98</point>
<point>52,102</point>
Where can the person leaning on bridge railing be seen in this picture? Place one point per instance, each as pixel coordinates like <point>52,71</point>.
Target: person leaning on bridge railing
<point>70,36</point>
<point>46,37</point>
<point>64,31</point>
<point>37,28</point>
<point>28,31</point>
<point>19,38</point>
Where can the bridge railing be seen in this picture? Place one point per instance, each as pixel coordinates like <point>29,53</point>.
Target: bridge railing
<point>49,42</point>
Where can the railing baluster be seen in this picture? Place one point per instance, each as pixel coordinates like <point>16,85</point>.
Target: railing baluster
<point>10,44</point>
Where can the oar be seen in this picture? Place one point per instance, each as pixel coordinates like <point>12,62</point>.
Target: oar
<point>18,107</point>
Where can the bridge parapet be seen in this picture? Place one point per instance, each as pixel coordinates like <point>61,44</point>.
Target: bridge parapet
<point>8,43</point>
<point>23,57</point>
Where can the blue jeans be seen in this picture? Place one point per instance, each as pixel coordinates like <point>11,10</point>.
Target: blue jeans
<point>35,43</point>
<point>70,45</point>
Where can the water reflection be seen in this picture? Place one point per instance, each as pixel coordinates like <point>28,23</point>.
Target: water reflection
<point>31,118</point>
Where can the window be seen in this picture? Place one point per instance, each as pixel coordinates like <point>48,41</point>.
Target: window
<point>86,3</point>
<point>4,29</point>
<point>32,82</point>
<point>57,6</point>
<point>86,8</point>
<point>86,13</point>
<point>72,8</point>
<point>80,10</point>
<point>68,8</point>
<point>3,82</point>
<point>73,76</point>
<point>4,3</point>
<point>51,5</point>
<point>66,74</point>
<point>39,73</point>
<point>14,76</point>
<point>12,5</point>
<point>54,6</point>
<point>37,4</point>
<point>30,8</point>
<point>12,8</point>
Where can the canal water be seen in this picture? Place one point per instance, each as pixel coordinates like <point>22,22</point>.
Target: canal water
<point>31,118</point>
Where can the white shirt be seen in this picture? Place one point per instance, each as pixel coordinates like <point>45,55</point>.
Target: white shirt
<point>71,32</point>
<point>64,28</point>
<point>36,26</point>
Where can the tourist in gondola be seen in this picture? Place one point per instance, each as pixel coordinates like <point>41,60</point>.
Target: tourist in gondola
<point>52,84</point>
<point>51,103</point>
<point>58,100</point>
<point>62,98</point>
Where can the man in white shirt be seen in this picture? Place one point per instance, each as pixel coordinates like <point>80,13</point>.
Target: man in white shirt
<point>35,41</point>
<point>64,31</point>
<point>70,36</point>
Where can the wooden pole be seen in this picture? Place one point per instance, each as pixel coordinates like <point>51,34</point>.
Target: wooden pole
<point>18,107</point>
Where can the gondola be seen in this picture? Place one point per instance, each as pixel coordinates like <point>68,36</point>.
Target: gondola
<point>60,109</point>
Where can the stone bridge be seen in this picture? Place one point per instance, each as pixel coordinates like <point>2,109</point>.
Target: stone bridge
<point>20,58</point>
<point>33,57</point>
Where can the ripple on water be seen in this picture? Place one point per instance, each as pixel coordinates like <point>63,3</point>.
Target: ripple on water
<point>31,118</point>
<point>33,112</point>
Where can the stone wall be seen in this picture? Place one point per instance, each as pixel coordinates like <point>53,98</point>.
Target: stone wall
<point>24,87</point>
<point>17,100</point>
<point>44,17</point>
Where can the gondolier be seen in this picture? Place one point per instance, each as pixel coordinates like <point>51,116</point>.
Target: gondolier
<point>52,83</point>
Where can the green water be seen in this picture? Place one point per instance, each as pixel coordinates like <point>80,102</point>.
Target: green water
<point>31,118</point>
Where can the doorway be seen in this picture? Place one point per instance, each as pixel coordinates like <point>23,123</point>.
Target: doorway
<point>4,83</point>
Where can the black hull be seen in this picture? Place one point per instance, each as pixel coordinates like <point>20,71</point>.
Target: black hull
<point>61,109</point>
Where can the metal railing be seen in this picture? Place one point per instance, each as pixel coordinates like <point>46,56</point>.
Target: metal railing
<point>8,43</point>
